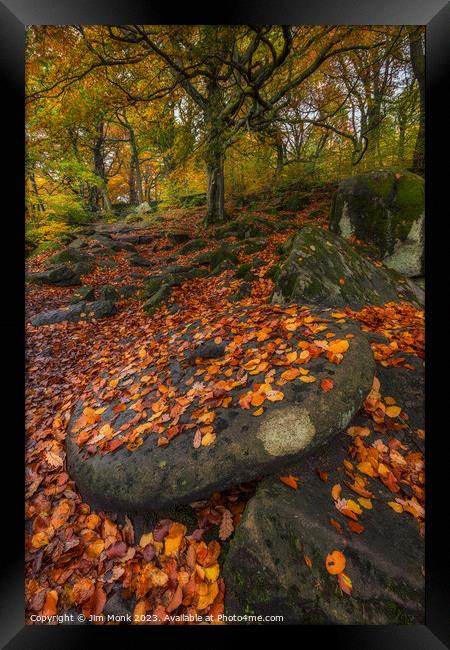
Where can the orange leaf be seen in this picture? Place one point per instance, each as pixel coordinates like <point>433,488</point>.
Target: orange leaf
<point>290,481</point>
<point>355,527</point>
<point>51,599</point>
<point>345,584</point>
<point>336,491</point>
<point>335,562</point>
<point>257,399</point>
<point>393,411</point>
<point>274,395</point>
<point>336,525</point>
<point>290,374</point>
<point>327,384</point>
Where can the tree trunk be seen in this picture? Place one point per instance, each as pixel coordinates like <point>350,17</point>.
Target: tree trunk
<point>99,169</point>
<point>135,173</point>
<point>132,185</point>
<point>107,205</point>
<point>215,160</point>
<point>418,66</point>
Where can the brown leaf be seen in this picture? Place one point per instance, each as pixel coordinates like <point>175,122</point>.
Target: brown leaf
<point>226,525</point>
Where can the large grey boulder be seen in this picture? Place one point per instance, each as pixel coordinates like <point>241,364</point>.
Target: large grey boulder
<point>151,477</point>
<point>80,311</point>
<point>385,209</point>
<point>265,570</point>
<point>322,268</point>
<point>116,292</point>
<point>60,276</point>
<point>68,256</point>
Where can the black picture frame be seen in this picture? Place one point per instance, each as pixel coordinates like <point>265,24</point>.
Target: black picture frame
<point>14,16</point>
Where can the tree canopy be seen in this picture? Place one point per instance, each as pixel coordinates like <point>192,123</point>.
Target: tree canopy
<point>127,113</point>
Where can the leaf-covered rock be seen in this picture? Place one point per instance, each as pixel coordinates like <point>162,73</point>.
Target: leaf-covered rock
<point>298,417</point>
<point>264,569</point>
<point>80,311</point>
<point>322,268</point>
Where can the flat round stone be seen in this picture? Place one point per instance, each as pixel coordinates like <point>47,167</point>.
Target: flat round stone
<point>142,448</point>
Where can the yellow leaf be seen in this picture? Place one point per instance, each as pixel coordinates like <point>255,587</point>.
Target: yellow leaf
<point>173,539</point>
<point>307,379</point>
<point>393,411</point>
<point>366,468</point>
<point>212,573</point>
<point>366,503</point>
<point>395,506</point>
<point>208,439</point>
<point>274,395</point>
<point>354,507</point>
<point>146,538</point>
<point>339,346</point>
<point>207,599</point>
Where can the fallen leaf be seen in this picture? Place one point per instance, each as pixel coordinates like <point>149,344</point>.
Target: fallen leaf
<point>335,562</point>
<point>290,481</point>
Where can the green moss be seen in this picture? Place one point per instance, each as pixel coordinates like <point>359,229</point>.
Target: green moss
<point>382,207</point>
<point>398,614</point>
<point>66,256</point>
<point>273,272</point>
<point>152,285</point>
<point>244,272</point>
<point>194,245</point>
<point>221,254</point>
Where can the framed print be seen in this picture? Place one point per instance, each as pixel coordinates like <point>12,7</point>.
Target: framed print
<point>228,279</point>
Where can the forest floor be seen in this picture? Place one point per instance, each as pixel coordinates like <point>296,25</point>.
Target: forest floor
<point>81,560</point>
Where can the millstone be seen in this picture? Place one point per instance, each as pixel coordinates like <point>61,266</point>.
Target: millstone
<point>142,476</point>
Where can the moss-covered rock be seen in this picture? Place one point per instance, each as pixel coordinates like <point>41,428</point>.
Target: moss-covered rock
<point>193,245</point>
<point>265,572</point>
<point>133,218</point>
<point>116,292</point>
<point>192,200</point>
<point>222,254</point>
<point>225,265</point>
<point>84,293</point>
<point>322,268</point>
<point>387,210</point>
<point>80,311</point>
<point>253,245</point>
<point>178,236</point>
<point>244,272</point>
<point>157,299</point>
<point>68,255</point>
<point>60,276</point>
<point>154,284</point>
<point>293,201</point>
<point>246,226</point>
